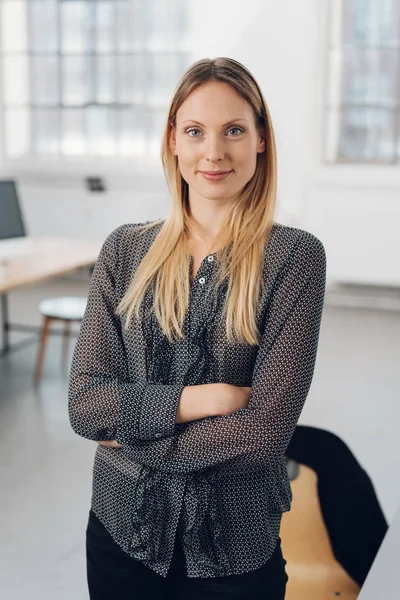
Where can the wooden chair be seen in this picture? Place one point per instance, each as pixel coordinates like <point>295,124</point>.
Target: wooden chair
<point>313,571</point>
<point>66,309</point>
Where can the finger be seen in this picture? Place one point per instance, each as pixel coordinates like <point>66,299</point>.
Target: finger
<point>111,444</point>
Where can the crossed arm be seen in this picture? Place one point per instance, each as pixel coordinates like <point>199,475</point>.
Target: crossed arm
<point>141,417</point>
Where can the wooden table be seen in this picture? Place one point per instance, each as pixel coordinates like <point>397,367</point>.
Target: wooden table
<point>30,260</point>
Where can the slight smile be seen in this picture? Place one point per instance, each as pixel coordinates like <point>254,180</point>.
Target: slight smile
<point>217,176</point>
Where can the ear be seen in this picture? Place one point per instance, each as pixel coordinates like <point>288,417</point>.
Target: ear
<point>261,145</point>
<point>172,139</point>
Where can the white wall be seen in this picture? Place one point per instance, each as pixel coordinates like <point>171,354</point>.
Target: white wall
<point>354,210</point>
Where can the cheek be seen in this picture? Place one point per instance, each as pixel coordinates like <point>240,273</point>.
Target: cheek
<point>239,153</point>
<point>188,158</point>
<point>189,153</point>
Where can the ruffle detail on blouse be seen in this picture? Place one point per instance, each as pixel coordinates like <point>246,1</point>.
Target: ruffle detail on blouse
<point>160,352</point>
<point>149,500</point>
<point>203,529</point>
<point>158,349</point>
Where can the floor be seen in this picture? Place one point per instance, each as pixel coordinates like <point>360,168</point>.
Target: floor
<point>46,469</point>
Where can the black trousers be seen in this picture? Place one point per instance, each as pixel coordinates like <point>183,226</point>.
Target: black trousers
<point>112,573</point>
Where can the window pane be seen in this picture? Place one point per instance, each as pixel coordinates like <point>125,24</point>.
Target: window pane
<point>183,25</point>
<point>157,123</point>
<point>370,76</point>
<point>73,135</point>
<point>105,26</point>
<point>16,80</point>
<point>43,26</point>
<point>132,131</point>
<point>76,26</point>
<point>371,22</point>
<point>100,127</point>
<point>162,72</point>
<point>131,25</point>
<point>45,80</point>
<point>386,138</point>
<point>131,79</point>
<point>46,131</point>
<point>367,134</point>
<point>159,25</point>
<point>358,22</point>
<point>105,79</point>
<point>17,132</point>
<point>14,34</point>
<point>183,61</point>
<point>76,79</point>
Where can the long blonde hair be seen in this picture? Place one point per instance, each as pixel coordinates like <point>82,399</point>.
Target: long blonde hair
<point>246,229</point>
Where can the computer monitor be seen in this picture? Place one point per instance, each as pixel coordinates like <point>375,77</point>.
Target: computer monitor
<point>11,221</point>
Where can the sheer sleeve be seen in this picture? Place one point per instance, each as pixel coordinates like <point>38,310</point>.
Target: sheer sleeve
<point>257,437</point>
<point>99,384</point>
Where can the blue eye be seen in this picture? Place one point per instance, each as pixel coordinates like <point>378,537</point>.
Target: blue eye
<point>191,130</point>
<point>238,128</point>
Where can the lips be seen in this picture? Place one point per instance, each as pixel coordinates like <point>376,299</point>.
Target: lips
<point>214,172</point>
<point>215,175</point>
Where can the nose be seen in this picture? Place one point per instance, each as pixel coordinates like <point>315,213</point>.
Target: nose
<point>214,149</point>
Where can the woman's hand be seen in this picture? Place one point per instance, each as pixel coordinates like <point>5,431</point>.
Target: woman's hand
<point>231,399</point>
<point>111,444</point>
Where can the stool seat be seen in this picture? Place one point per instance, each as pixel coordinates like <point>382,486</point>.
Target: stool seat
<point>65,309</point>
<point>68,308</point>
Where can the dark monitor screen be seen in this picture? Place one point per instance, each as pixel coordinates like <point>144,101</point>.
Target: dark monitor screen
<point>11,223</point>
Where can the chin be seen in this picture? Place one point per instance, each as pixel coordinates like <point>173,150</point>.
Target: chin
<point>215,193</point>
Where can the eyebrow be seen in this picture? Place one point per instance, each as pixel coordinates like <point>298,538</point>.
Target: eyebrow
<point>224,125</point>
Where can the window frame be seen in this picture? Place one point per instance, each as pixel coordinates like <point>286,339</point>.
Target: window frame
<point>80,165</point>
<point>330,139</point>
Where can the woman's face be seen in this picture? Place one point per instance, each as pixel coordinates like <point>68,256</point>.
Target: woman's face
<point>216,131</point>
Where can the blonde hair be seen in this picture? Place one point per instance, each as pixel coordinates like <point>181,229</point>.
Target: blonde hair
<point>246,229</point>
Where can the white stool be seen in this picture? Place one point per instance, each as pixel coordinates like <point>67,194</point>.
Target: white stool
<point>66,309</point>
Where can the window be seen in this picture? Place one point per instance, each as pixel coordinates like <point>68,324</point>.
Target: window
<point>86,78</point>
<point>363,98</point>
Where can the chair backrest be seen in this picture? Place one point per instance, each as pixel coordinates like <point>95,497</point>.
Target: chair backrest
<point>11,220</point>
<point>381,581</point>
<point>312,568</point>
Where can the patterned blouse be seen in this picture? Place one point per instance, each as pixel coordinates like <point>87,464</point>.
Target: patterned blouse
<point>220,483</point>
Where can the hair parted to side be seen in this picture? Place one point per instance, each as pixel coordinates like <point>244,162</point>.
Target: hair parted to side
<point>245,232</point>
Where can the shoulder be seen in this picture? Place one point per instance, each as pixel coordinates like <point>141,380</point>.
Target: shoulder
<point>293,236</point>
<point>129,236</point>
<point>287,243</point>
<point>291,250</point>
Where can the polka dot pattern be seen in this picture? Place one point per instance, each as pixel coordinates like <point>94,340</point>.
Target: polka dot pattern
<point>219,483</point>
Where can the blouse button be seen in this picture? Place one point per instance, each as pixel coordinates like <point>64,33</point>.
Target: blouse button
<point>210,258</point>
<point>201,280</point>
<point>158,435</point>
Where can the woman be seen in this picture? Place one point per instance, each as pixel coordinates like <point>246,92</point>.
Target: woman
<point>194,360</point>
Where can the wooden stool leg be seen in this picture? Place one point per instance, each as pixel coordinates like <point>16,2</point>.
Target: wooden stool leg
<point>67,329</point>
<point>42,347</point>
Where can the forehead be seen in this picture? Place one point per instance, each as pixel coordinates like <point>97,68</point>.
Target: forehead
<point>214,102</point>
